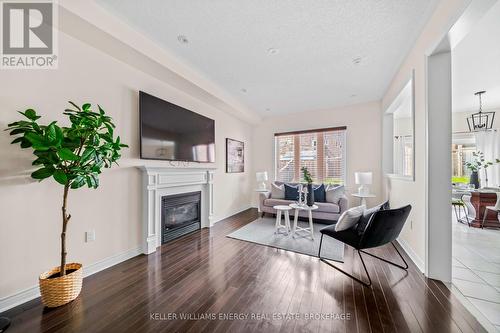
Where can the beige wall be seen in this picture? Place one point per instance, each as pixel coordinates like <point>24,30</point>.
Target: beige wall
<point>30,212</point>
<point>413,192</point>
<point>363,140</point>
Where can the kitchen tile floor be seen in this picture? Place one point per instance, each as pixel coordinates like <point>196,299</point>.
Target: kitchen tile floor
<point>476,268</point>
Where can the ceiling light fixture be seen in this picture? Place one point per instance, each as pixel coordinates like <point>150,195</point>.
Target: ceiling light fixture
<point>480,121</point>
<point>182,39</point>
<point>272,51</point>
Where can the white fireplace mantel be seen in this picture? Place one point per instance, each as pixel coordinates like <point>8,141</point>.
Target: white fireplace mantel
<point>162,181</point>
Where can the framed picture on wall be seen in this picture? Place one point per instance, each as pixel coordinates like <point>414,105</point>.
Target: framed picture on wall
<point>235,156</point>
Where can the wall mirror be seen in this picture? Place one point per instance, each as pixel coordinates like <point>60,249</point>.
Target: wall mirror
<point>399,134</point>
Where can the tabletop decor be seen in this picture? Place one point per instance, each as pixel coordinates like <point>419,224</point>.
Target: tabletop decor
<point>477,163</point>
<point>74,157</point>
<point>310,191</point>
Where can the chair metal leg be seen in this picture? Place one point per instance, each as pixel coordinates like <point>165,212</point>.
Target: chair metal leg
<point>405,267</point>
<point>366,284</point>
<point>456,214</point>
<point>4,324</point>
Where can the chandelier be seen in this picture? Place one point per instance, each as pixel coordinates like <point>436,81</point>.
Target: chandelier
<point>480,121</point>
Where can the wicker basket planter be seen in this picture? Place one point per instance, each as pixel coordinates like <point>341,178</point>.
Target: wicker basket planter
<point>58,291</point>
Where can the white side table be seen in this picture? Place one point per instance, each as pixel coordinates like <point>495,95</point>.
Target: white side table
<point>362,198</point>
<point>282,209</point>
<point>309,209</point>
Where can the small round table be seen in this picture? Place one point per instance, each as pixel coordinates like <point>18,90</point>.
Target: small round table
<point>282,209</point>
<point>362,197</point>
<point>296,228</point>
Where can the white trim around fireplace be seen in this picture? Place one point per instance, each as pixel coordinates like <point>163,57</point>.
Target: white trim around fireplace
<point>158,182</point>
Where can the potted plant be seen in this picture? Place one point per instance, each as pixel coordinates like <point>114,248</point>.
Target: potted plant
<point>477,163</point>
<point>74,157</point>
<point>309,181</point>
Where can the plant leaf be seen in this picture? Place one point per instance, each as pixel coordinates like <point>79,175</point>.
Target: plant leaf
<point>50,133</point>
<point>31,114</point>
<point>67,155</point>
<point>43,173</point>
<point>35,139</point>
<point>76,106</point>
<point>60,177</point>
<point>78,182</point>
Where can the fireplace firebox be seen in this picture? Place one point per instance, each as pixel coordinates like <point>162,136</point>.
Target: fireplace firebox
<point>180,215</point>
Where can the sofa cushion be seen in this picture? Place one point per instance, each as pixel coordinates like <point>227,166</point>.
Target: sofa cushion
<point>327,207</point>
<point>367,214</point>
<point>333,193</point>
<point>271,202</point>
<point>277,191</point>
<point>349,218</point>
<point>291,192</point>
<point>319,193</point>
<point>365,218</point>
<point>323,207</point>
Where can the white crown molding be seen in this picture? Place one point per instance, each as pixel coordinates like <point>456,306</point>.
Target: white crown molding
<point>33,292</point>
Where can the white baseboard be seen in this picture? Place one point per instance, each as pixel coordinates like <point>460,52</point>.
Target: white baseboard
<point>231,214</point>
<point>28,294</point>
<point>413,256</point>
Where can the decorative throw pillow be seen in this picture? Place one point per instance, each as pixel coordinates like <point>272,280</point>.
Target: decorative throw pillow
<point>291,192</point>
<point>333,193</point>
<point>277,191</point>
<point>319,193</point>
<point>349,218</point>
<point>385,206</point>
<point>365,218</point>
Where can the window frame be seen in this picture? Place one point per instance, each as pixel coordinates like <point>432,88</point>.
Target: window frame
<point>297,134</point>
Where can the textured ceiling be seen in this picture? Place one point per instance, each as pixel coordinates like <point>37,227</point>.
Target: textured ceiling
<point>476,65</point>
<point>317,42</point>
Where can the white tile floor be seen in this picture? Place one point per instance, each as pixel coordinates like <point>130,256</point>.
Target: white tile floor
<point>476,268</point>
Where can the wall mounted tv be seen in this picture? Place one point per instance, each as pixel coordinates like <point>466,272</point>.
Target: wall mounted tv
<point>170,132</point>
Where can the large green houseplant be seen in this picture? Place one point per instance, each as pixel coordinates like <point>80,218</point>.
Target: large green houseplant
<point>73,156</point>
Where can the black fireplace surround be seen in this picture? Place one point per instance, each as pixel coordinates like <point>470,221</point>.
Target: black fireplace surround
<point>180,215</point>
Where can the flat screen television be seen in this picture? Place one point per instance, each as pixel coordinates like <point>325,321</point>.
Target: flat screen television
<point>173,133</point>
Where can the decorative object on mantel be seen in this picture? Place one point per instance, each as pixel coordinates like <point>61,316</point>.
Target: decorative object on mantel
<point>261,179</point>
<point>310,191</point>
<point>481,121</point>
<point>363,179</point>
<point>477,163</point>
<point>235,156</point>
<point>74,157</point>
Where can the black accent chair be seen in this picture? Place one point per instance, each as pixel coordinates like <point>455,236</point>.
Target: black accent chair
<point>383,227</point>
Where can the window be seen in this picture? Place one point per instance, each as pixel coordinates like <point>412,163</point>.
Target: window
<point>463,145</point>
<point>321,151</point>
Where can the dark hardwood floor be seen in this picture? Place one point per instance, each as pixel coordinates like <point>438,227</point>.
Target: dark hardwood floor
<point>206,273</point>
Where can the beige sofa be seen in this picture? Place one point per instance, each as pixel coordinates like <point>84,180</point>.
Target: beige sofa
<point>329,212</point>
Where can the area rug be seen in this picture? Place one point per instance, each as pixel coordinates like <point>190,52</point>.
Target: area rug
<point>261,231</point>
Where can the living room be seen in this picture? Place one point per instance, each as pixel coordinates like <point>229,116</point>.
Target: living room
<point>253,92</point>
